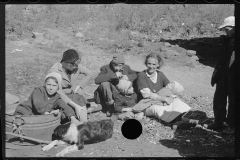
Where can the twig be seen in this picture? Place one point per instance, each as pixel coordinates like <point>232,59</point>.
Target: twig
<point>29,138</point>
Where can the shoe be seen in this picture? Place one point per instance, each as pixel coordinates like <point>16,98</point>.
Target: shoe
<point>108,114</point>
<point>110,110</point>
<point>229,130</point>
<point>215,126</point>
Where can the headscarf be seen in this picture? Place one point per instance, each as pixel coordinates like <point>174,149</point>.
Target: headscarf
<point>178,88</point>
<point>57,76</point>
<point>70,56</point>
<point>123,85</point>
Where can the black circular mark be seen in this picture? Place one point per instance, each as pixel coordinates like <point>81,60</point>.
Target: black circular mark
<point>62,1</point>
<point>181,1</point>
<point>92,1</point>
<point>151,1</point>
<point>4,1</point>
<point>33,1</point>
<point>210,1</point>
<point>131,129</point>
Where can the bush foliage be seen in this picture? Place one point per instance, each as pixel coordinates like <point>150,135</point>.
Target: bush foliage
<point>156,19</point>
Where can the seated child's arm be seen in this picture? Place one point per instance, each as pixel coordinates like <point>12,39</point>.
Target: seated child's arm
<point>67,110</point>
<point>39,104</point>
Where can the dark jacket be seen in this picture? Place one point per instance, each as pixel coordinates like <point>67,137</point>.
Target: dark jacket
<point>38,103</point>
<point>222,66</point>
<point>107,74</point>
<point>122,101</point>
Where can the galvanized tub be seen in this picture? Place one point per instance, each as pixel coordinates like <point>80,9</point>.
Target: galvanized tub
<point>35,126</point>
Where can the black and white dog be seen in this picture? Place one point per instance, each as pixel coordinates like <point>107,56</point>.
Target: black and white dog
<point>77,135</point>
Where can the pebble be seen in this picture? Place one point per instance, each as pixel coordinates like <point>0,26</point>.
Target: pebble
<point>191,53</point>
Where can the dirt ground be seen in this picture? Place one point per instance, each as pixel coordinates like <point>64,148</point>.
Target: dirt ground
<point>25,58</point>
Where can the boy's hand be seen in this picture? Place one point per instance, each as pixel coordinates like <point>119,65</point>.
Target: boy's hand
<point>124,77</point>
<point>119,74</point>
<point>75,121</point>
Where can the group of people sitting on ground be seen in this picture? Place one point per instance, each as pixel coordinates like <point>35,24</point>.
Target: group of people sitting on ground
<point>121,91</point>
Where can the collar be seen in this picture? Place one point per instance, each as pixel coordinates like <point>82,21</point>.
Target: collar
<point>152,75</point>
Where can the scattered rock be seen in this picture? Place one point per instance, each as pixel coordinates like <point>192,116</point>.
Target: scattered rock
<point>37,35</point>
<point>170,54</point>
<point>191,53</point>
<point>79,35</point>
<point>167,44</point>
<point>194,58</point>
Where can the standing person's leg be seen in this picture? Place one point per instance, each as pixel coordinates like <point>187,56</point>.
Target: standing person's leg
<point>231,105</point>
<point>219,104</point>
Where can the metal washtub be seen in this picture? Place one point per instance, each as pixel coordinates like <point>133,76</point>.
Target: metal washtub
<point>35,126</point>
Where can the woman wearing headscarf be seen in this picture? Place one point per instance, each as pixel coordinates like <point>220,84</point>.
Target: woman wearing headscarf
<point>45,100</point>
<point>72,86</point>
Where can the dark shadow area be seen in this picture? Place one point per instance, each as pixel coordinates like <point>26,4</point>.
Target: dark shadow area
<point>200,142</point>
<point>208,49</point>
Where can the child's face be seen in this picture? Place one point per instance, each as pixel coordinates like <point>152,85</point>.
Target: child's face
<point>171,85</point>
<point>117,67</point>
<point>51,86</point>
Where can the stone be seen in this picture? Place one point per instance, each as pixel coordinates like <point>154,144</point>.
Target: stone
<point>37,35</point>
<point>191,53</point>
<point>170,54</point>
<point>167,44</point>
<point>194,58</point>
<point>79,35</point>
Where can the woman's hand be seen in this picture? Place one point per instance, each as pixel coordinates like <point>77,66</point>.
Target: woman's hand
<point>127,110</point>
<point>169,100</point>
<point>46,113</point>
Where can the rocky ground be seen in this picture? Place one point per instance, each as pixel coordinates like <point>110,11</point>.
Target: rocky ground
<point>188,61</point>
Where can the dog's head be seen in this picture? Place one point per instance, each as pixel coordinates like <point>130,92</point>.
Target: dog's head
<point>60,131</point>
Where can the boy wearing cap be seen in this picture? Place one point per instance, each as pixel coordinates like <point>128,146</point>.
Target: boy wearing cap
<point>70,69</point>
<point>108,78</point>
<point>223,77</point>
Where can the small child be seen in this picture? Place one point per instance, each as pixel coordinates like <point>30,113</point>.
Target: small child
<point>171,90</point>
<point>125,100</point>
